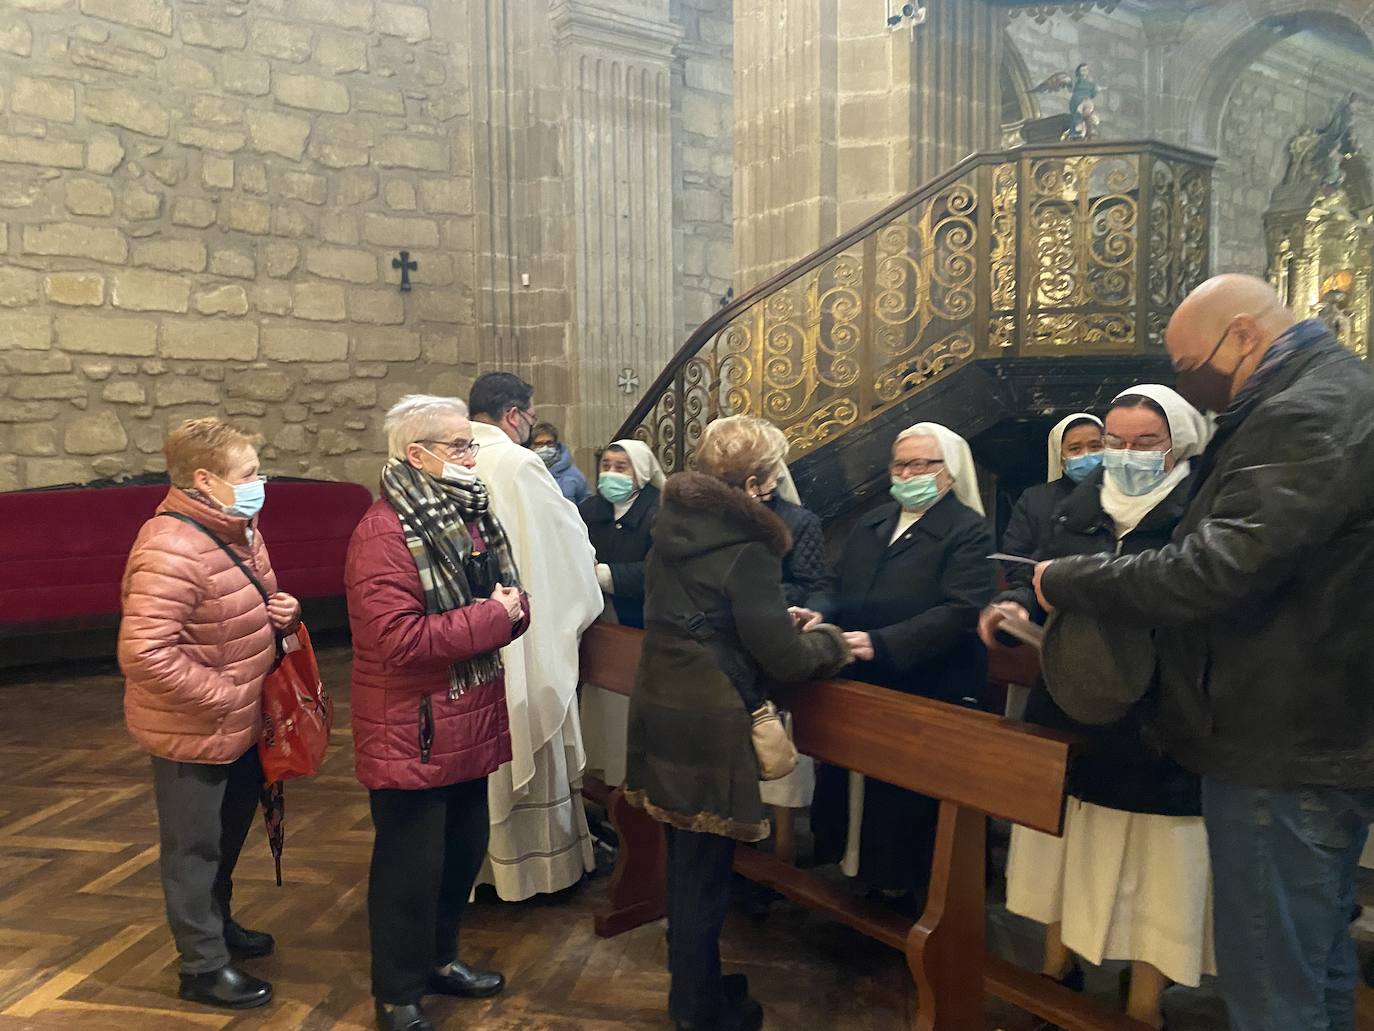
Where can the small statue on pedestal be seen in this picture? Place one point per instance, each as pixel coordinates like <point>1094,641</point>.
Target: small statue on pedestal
<point>1321,154</point>
<point>1083,120</point>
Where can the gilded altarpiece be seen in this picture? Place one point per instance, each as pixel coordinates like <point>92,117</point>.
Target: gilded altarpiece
<point>1320,232</point>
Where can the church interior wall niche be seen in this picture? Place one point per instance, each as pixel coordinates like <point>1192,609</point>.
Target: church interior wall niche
<point>1320,228</point>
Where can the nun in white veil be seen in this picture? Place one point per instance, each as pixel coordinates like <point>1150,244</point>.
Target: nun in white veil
<point>1130,877</point>
<point>1074,452</point>
<point>910,583</point>
<point>619,518</point>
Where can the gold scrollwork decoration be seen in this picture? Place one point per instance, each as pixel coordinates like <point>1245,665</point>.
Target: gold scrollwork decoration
<point>939,357</point>
<point>1002,333</point>
<point>1003,245</point>
<point>828,421</point>
<point>1086,332</point>
<point>664,423</point>
<point>1060,271</point>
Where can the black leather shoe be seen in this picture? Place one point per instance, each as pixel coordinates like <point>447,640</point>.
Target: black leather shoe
<point>402,1018</point>
<point>225,987</point>
<point>748,1017</point>
<point>466,982</point>
<point>246,944</point>
<point>735,988</point>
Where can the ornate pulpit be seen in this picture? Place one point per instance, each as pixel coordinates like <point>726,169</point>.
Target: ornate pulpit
<point>1320,230</point>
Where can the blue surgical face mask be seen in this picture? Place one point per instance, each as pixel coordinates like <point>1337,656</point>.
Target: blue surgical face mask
<point>916,493</point>
<point>248,498</point>
<point>1080,467</point>
<point>1135,472</point>
<point>616,488</point>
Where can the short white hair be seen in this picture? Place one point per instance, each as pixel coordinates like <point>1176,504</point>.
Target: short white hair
<point>419,417</point>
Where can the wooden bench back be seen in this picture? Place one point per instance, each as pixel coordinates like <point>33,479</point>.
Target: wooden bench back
<point>1009,770</point>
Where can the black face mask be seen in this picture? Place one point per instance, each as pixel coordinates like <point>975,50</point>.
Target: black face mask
<point>1205,387</point>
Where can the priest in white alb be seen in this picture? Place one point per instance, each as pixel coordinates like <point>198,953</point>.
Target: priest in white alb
<point>539,838</point>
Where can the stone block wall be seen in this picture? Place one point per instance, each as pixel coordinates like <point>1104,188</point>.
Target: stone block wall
<point>199,207</point>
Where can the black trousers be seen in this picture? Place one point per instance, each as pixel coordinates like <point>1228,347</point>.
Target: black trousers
<point>428,848</point>
<point>204,812</point>
<point>699,878</point>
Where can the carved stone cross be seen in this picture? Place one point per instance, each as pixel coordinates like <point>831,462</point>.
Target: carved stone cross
<point>628,382</point>
<point>405,265</point>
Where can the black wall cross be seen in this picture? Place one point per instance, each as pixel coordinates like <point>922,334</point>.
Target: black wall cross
<point>405,265</point>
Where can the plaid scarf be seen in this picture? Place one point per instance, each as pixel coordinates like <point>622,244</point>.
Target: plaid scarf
<point>434,516</point>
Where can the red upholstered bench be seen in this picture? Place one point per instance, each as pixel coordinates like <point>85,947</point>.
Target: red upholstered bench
<point>62,555</point>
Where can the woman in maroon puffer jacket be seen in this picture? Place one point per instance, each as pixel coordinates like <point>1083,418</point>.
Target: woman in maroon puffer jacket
<point>433,595</point>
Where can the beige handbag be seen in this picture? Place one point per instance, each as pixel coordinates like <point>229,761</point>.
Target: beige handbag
<point>772,736</point>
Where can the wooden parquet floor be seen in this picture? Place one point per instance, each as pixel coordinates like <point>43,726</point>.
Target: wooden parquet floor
<point>83,943</point>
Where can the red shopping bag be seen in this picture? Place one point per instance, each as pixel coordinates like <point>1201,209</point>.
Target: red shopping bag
<point>297,714</point>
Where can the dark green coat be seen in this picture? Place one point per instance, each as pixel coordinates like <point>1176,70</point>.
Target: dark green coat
<point>690,760</point>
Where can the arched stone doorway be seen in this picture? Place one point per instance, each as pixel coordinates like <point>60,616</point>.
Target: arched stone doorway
<point>1269,79</point>
<point>1213,81</point>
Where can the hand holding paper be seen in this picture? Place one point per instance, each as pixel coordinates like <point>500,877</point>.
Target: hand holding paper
<point>1023,630</point>
<point>991,619</point>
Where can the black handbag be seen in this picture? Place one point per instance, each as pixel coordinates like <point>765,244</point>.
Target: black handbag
<point>483,573</point>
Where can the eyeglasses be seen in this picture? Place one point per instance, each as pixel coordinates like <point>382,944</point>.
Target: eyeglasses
<point>455,448</point>
<point>1206,361</point>
<point>918,466</point>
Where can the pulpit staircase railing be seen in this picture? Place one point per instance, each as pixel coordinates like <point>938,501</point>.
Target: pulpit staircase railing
<point>1065,249</point>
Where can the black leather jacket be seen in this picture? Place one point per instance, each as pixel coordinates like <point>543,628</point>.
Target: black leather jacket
<point>1262,604</point>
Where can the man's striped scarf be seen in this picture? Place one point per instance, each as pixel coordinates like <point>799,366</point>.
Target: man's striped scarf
<point>434,515</point>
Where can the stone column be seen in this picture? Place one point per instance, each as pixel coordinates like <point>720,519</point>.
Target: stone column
<point>615,65</point>
<point>953,92</point>
<point>837,115</point>
<point>1166,117</point>
<point>785,141</point>
<point>521,265</point>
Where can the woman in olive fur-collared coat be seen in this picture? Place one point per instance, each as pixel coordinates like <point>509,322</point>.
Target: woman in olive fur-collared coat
<point>714,603</point>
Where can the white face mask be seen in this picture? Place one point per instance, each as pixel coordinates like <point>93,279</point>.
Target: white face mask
<point>459,474</point>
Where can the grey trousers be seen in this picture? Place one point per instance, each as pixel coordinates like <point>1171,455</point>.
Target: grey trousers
<point>204,812</point>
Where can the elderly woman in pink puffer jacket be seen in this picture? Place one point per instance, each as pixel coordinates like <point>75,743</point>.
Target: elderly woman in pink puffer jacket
<point>196,641</point>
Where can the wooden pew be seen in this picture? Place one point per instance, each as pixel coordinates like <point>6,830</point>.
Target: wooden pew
<point>977,765</point>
